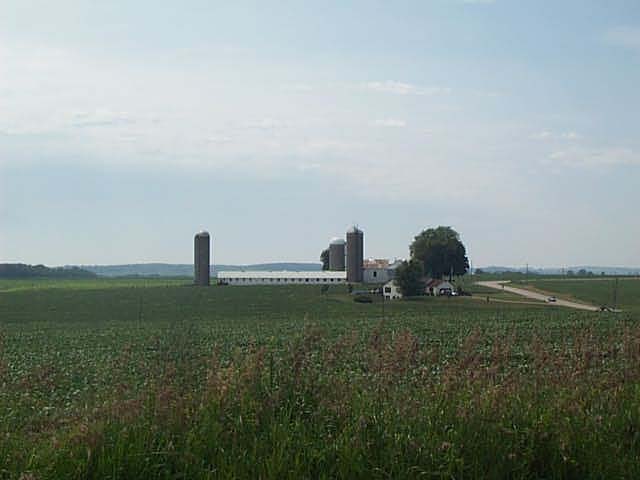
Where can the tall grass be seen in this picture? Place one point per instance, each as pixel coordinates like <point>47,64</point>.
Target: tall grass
<point>381,403</point>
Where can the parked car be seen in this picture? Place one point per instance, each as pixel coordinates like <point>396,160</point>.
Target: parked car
<point>355,293</point>
<point>362,299</point>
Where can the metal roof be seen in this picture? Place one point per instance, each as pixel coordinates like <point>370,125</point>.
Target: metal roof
<point>376,263</point>
<point>337,241</point>
<point>283,274</point>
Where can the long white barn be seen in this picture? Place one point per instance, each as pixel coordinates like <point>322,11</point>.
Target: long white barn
<point>282,278</point>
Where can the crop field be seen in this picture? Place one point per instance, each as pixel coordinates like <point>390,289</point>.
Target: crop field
<point>159,379</point>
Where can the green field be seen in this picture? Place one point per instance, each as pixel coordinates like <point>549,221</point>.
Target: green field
<point>596,291</point>
<point>159,379</point>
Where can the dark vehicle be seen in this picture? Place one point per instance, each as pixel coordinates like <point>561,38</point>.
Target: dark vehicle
<point>359,292</point>
<point>362,299</point>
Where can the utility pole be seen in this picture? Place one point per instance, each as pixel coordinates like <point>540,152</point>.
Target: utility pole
<point>615,294</point>
<point>140,309</point>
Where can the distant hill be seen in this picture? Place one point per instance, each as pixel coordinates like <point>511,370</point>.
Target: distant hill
<point>186,270</point>
<point>563,271</point>
<point>21,270</point>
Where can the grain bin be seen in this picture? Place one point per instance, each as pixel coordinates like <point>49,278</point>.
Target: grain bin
<point>355,254</point>
<point>336,255</point>
<point>201,258</point>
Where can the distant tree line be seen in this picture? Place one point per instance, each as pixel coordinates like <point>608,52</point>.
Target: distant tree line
<point>21,270</point>
<point>581,273</point>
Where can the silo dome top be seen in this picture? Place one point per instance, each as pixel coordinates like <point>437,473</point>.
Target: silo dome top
<point>354,229</point>
<point>202,233</point>
<point>337,241</point>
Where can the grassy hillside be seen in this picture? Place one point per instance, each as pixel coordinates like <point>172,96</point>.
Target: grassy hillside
<point>159,379</point>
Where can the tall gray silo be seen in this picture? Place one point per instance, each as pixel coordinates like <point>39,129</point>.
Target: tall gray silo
<point>201,258</point>
<point>355,254</point>
<point>336,255</point>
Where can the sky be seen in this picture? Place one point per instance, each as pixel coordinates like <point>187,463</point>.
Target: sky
<point>126,127</point>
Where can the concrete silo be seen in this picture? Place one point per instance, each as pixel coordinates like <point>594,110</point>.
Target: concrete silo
<point>336,255</point>
<point>355,254</point>
<point>201,258</point>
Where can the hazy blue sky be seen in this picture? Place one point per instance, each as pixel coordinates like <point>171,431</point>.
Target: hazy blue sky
<point>125,127</point>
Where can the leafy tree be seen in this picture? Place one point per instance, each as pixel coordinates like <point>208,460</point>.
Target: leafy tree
<point>324,258</point>
<point>409,277</point>
<point>441,252</point>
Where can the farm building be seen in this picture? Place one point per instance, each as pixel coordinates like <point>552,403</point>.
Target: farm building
<point>379,270</point>
<point>282,278</point>
<point>439,287</point>
<point>391,291</point>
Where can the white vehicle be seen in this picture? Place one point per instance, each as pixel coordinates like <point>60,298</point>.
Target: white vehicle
<point>551,299</point>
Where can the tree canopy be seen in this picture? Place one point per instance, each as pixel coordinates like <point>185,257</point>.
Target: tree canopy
<point>440,251</point>
<point>409,277</point>
<point>324,258</point>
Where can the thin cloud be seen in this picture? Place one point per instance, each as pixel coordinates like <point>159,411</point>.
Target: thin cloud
<point>298,88</point>
<point>401,88</point>
<point>264,124</point>
<point>549,135</point>
<point>594,157</point>
<point>219,139</point>
<point>33,130</point>
<point>100,118</point>
<point>332,146</point>
<point>390,123</point>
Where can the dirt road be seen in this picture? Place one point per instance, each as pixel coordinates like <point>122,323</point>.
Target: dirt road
<point>504,286</point>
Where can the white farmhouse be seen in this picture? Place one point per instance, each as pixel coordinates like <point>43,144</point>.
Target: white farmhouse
<point>439,287</point>
<point>391,291</point>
